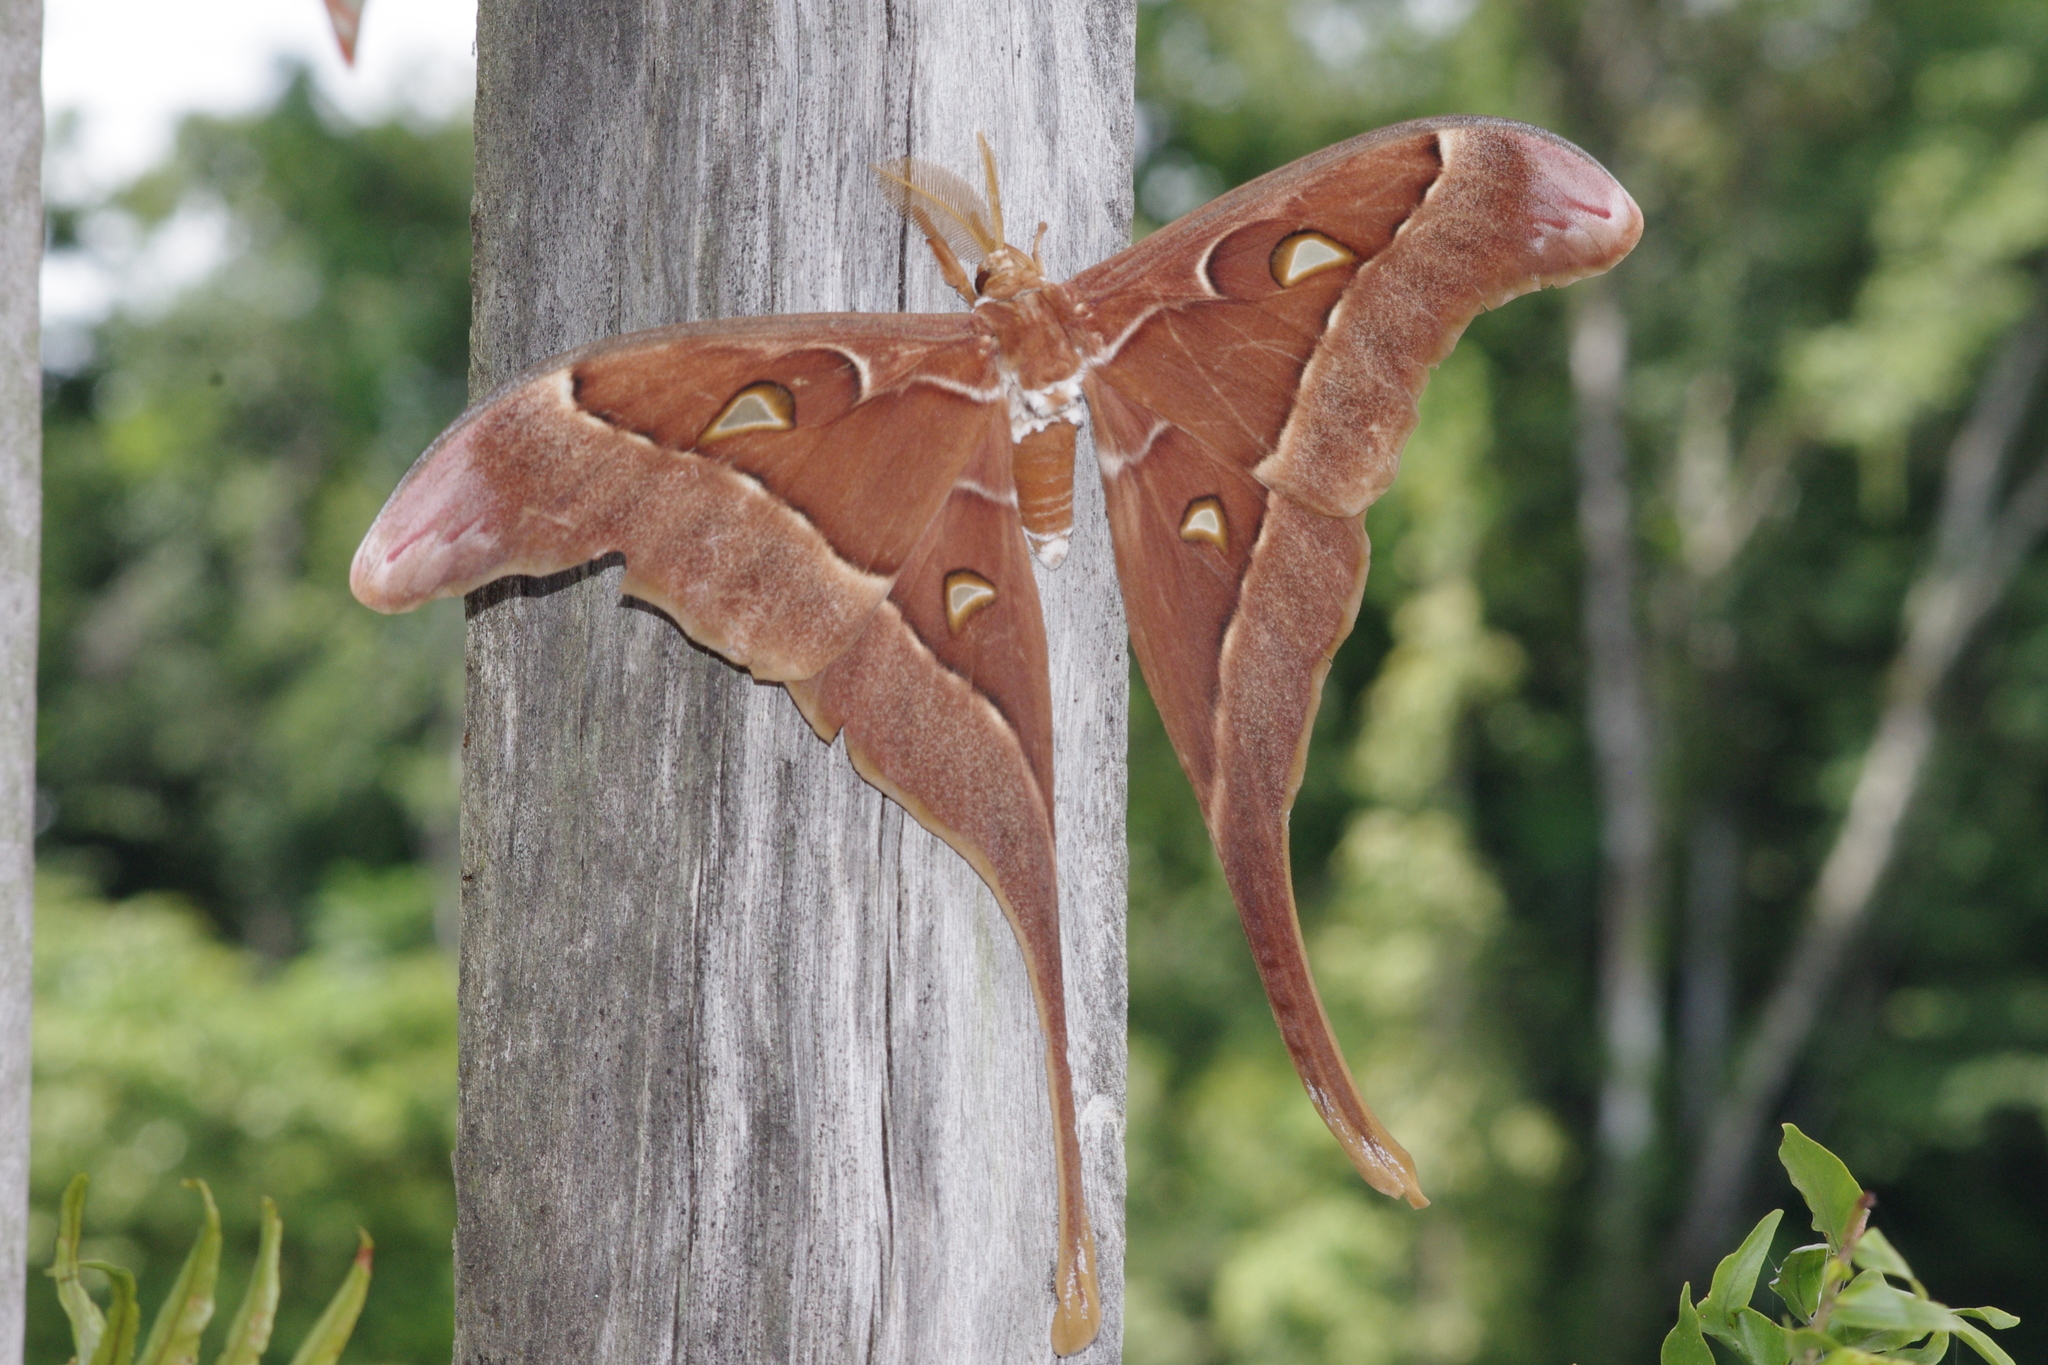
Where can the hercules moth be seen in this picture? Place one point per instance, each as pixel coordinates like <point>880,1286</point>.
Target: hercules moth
<point>849,504</point>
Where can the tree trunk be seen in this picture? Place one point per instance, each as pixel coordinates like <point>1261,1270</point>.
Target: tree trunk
<point>1618,718</point>
<point>750,1066</point>
<point>21,517</point>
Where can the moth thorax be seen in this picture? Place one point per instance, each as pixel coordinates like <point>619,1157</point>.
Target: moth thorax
<point>1044,468</point>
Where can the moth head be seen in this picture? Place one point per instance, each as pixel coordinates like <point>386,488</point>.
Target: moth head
<point>1007,272</point>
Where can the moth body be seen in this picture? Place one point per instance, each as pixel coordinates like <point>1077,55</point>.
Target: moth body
<point>1032,324</point>
<point>1036,409</point>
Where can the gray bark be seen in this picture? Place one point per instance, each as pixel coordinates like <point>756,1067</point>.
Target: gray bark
<point>21,516</point>
<point>750,1067</point>
<point>1978,548</point>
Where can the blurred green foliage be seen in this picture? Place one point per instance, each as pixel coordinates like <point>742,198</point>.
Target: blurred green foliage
<point>327,1084</point>
<point>1846,213</point>
<point>219,717</point>
<point>247,780</point>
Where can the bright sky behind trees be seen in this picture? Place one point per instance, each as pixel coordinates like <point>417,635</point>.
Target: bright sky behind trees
<point>122,71</point>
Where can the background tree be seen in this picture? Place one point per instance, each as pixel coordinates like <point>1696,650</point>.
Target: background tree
<point>1763,415</point>
<point>219,721</point>
<point>21,134</point>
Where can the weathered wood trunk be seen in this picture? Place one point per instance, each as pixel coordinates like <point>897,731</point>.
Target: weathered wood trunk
<point>750,1068</point>
<point>21,449</point>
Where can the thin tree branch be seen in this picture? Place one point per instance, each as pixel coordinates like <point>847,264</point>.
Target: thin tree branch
<point>1973,561</point>
<point>1980,449</point>
<point>1707,981</point>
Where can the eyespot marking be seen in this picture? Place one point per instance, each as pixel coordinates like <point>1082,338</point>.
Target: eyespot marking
<point>1204,522</point>
<point>766,406</point>
<point>967,592</point>
<point>1305,254</point>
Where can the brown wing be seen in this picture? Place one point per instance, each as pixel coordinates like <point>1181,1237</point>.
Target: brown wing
<point>946,705</point>
<point>827,502</point>
<point>765,478</point>
<point>1254,371</point>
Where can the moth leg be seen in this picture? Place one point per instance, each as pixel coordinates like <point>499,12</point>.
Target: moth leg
<point>949,264</point>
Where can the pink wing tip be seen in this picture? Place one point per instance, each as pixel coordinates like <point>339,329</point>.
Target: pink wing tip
<point>436,537</point>
<point>1583,221</point>
<point>375,578</point>
<point>347,18</point>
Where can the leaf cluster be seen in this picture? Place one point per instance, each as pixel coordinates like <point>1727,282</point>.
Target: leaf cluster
<point>109,1337</point>
<point>328,1082</point>
<point>1849,1299</point>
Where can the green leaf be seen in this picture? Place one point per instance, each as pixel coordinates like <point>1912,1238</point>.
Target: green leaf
<point>87,1322</point>
<point>1869,1302</point>
<point>1997,1317</point>
<point>324,1343</point>
<point>124,1317</point>
<point>1849,1355</point>
<point>1757,1339</point>
<point>1874,1252</point>
<point>1932,1352</point>
<point>1808,1343</point>
<point>249,1333</point>
<point>1797,1283</point>
<point>1735,1278</point>
<point>174,1336</point>
<point>1982,1345</point>
<point>1889,1343</point>
<point>1825,1183</point>
<point>1683,1344</point>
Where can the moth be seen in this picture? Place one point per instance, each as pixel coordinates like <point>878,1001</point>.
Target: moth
<point>1250,374</point>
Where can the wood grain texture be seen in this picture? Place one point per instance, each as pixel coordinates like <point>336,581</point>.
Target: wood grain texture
<point>21,245</point>
<point>750,1066</point>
